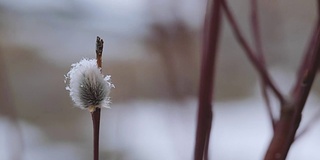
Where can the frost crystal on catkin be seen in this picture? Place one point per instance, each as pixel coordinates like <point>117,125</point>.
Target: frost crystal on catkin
<point>87,86</point>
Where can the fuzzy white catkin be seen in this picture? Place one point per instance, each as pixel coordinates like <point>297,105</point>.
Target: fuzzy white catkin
<point>87,86</point>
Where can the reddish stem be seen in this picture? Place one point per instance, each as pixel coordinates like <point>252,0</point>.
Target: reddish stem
<point>206,147</point>
<point>260,55</point>
<point>250,54</point>
<point>96,128</point>
<point>306,59</point>
<point>210,42</point>
<point>290,118</point>
<point>291,109</point>
<point>96,114</point>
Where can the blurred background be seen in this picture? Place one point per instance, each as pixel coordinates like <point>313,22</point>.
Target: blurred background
<point>152,51</point>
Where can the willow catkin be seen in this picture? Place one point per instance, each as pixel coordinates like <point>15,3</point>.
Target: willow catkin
<point>87,86</point>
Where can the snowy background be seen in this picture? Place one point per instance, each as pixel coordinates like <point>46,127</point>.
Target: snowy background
<point>152,52</point>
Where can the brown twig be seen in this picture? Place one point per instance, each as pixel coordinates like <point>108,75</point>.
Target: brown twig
<point>250,54</point>
<point>96,114</point>
<point>306,59</point>
<point>291,109</point>
<point>290,117</point>
<point>206,147</point>
<point>308,72</point>
<point>209,52</point>
<point>258,45</point>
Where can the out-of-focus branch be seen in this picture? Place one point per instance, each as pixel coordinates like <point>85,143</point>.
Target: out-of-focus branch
<point>250,54</point>
<point>305,76</point>
<point>309,69</point>
<point>206,147</point>
<point>290,117</point>
<point>258,45</point>
<point>291,108</point>
<point>209,52</point>
<point>306,59</point>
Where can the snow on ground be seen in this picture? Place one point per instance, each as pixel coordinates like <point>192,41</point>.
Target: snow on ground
<point>35,144</point>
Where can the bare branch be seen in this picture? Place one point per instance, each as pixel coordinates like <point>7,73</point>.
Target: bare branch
<point>306,59</point>
<point>303,85</point>
<point>250,54</point>
<point>258,45</point>
<point>209,52</point>
<point>97,113</point>
<point>290,117</point>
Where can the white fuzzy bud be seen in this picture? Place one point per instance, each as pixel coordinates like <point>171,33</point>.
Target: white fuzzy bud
<point>87,86</point>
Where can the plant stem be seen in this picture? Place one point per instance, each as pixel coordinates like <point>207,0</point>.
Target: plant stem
<point>305,62</point>
<point>96,127</point>
<point>290,118</point>
<point>258,46</point>
<point>250,54</point>
<point>206,147</point>
<point>291,108</point>
<point>209,52</point>
<point>96,114</point>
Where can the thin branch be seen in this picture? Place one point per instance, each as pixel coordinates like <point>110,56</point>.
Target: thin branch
<point>97,113</point>
<point>306,59</point>
<point>258,45</point>
<point>290,118</point>
<point>250,54</point>
<point>206,147</point>
<point>309,68</point>
<point>256,31</point>
<point>309,72</point>
<point>309,125</point>
<point>209,52</point>
<point>96,127</point>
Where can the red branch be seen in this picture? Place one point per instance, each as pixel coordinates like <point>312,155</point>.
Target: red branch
<point>210,42</point>
<point>291,108</point>
<point>96,114</point>
<point>306,59</point>
<point>258,44</point>
<point>290,118</point>
<point>250,54</point>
